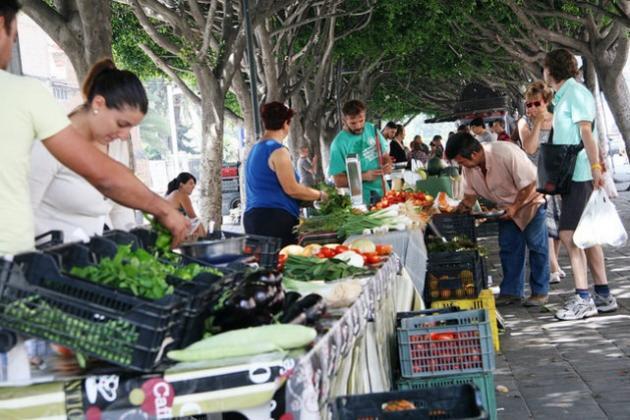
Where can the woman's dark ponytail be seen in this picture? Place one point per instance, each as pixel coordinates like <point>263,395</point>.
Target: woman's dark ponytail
<point>120,88</point>
<point>182,178</point>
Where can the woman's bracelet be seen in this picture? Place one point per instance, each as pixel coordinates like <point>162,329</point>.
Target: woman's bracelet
<point>596,166</point>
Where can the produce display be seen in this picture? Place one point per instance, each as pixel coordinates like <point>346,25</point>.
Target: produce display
<point>445,351</point>
<point>335,201</point>
<point>314,268</point>
<point>397,210</point>
<point>398,405</point>
<point>457,244</point>
<point>247,342</point>
<point>394,197</point>
<point>139,272</point>
<point>33,315</point>
<point>245,299</point>
<point>332,261</point>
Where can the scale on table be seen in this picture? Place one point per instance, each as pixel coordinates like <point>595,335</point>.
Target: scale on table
<point>355,183</point>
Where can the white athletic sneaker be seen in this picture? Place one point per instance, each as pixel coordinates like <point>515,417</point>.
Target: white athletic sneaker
<point>577,308</point>
<point>554,278</point>
<point>605,304</point>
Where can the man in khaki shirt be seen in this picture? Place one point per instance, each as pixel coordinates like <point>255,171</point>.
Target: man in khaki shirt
<point>501,172</point>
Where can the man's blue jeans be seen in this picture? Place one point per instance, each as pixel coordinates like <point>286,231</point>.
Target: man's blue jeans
<point>512,242</point>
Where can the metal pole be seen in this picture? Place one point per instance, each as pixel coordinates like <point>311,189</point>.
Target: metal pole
<point>252,67</point>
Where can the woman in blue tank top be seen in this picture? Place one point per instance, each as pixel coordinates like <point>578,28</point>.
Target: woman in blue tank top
<point>271,182</point>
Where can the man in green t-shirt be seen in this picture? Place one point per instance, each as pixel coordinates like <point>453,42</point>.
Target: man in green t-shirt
<point>28,112</point>
<point>359,137</point>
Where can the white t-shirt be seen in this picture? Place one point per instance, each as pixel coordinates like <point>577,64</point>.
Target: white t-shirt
<point>27,112</point>
<point>63,200</point>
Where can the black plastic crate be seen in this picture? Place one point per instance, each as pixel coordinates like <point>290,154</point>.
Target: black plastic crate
<point>452,402</point>
<point>195,293</point>
<point>36,300</point>
<point>451,225</point>
<point>488,229</point>
<point>254,248</point>
<point>454,275</point>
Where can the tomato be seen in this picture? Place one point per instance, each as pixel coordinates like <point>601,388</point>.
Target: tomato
<point>326,252</point>
<point>442,336</point>
<point>341,248</point>
<point>384,249</point>
<point>385,202</point>
<point>61,350</point>
<point>282,258</point>
<point>372,258</point>
<point>321,254</point>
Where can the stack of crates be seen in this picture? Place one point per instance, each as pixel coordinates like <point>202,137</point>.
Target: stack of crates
<point>458,279</point>
<point>455,275</point>
<point>442,348</point>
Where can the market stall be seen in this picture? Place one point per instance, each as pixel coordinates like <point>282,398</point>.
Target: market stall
<point>336,365</point>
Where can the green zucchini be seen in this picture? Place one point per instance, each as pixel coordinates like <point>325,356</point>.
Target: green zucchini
<point>246,342</point>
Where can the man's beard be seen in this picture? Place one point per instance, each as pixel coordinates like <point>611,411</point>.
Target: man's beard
<point>359,131</point>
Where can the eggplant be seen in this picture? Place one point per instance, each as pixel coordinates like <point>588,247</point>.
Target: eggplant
<point>261,293</point>
<point>306,310</point>
<point>265,276</point>
<point>277,303</point>
<point>289,299</point>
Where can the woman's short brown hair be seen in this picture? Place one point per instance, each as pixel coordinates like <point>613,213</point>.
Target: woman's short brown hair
<point>539,88</point>
<point>275,114</point>
<point>561,64</point>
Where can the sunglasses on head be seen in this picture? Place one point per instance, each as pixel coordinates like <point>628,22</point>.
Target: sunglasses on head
<point>531,104</point>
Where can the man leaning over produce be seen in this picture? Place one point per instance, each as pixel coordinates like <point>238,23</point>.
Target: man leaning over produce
<point>358,136</point>
<point>28,112</point>
<point>502,173</point>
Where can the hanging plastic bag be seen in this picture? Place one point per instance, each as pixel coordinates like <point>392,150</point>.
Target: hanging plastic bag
<point>609,185</point>
<point>600,223</point>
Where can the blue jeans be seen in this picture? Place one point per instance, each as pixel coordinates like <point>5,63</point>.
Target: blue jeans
<point>512,242</point>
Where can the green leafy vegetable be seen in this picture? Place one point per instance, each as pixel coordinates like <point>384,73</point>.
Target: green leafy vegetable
<point>139,272</point>
<point>335,202</point>
<point>310,268</point>
<point>457,244</point>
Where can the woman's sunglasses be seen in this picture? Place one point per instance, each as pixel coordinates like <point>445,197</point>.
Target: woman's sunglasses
<point>531,104</point>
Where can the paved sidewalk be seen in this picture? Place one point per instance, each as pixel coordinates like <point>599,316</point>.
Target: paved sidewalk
<point>570,369</point>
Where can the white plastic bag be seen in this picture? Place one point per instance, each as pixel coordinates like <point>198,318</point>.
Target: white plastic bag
<point>600,223</point>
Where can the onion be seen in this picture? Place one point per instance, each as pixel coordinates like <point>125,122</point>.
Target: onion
<point>350,258</point>
<point>363,245</point>
<point>292,250</point>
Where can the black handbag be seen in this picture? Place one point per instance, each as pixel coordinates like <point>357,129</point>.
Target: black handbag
<point>556,163</point>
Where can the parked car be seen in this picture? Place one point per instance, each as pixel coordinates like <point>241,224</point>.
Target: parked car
<point>230,187</point>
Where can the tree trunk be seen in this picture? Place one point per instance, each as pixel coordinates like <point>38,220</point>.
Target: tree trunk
<point>618,97</point>
<point>83,30</point>
<point>590,79</point>
<point>241,90</point>
<point>609,61</point>
<point>212,112</point>
<point>325,140</point>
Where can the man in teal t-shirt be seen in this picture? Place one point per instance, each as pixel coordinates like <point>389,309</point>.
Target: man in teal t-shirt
<point>358,136</point>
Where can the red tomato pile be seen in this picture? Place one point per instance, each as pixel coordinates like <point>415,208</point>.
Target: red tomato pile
<point>369,258</point>
<point>395,197</point>
<point>445,351</point>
